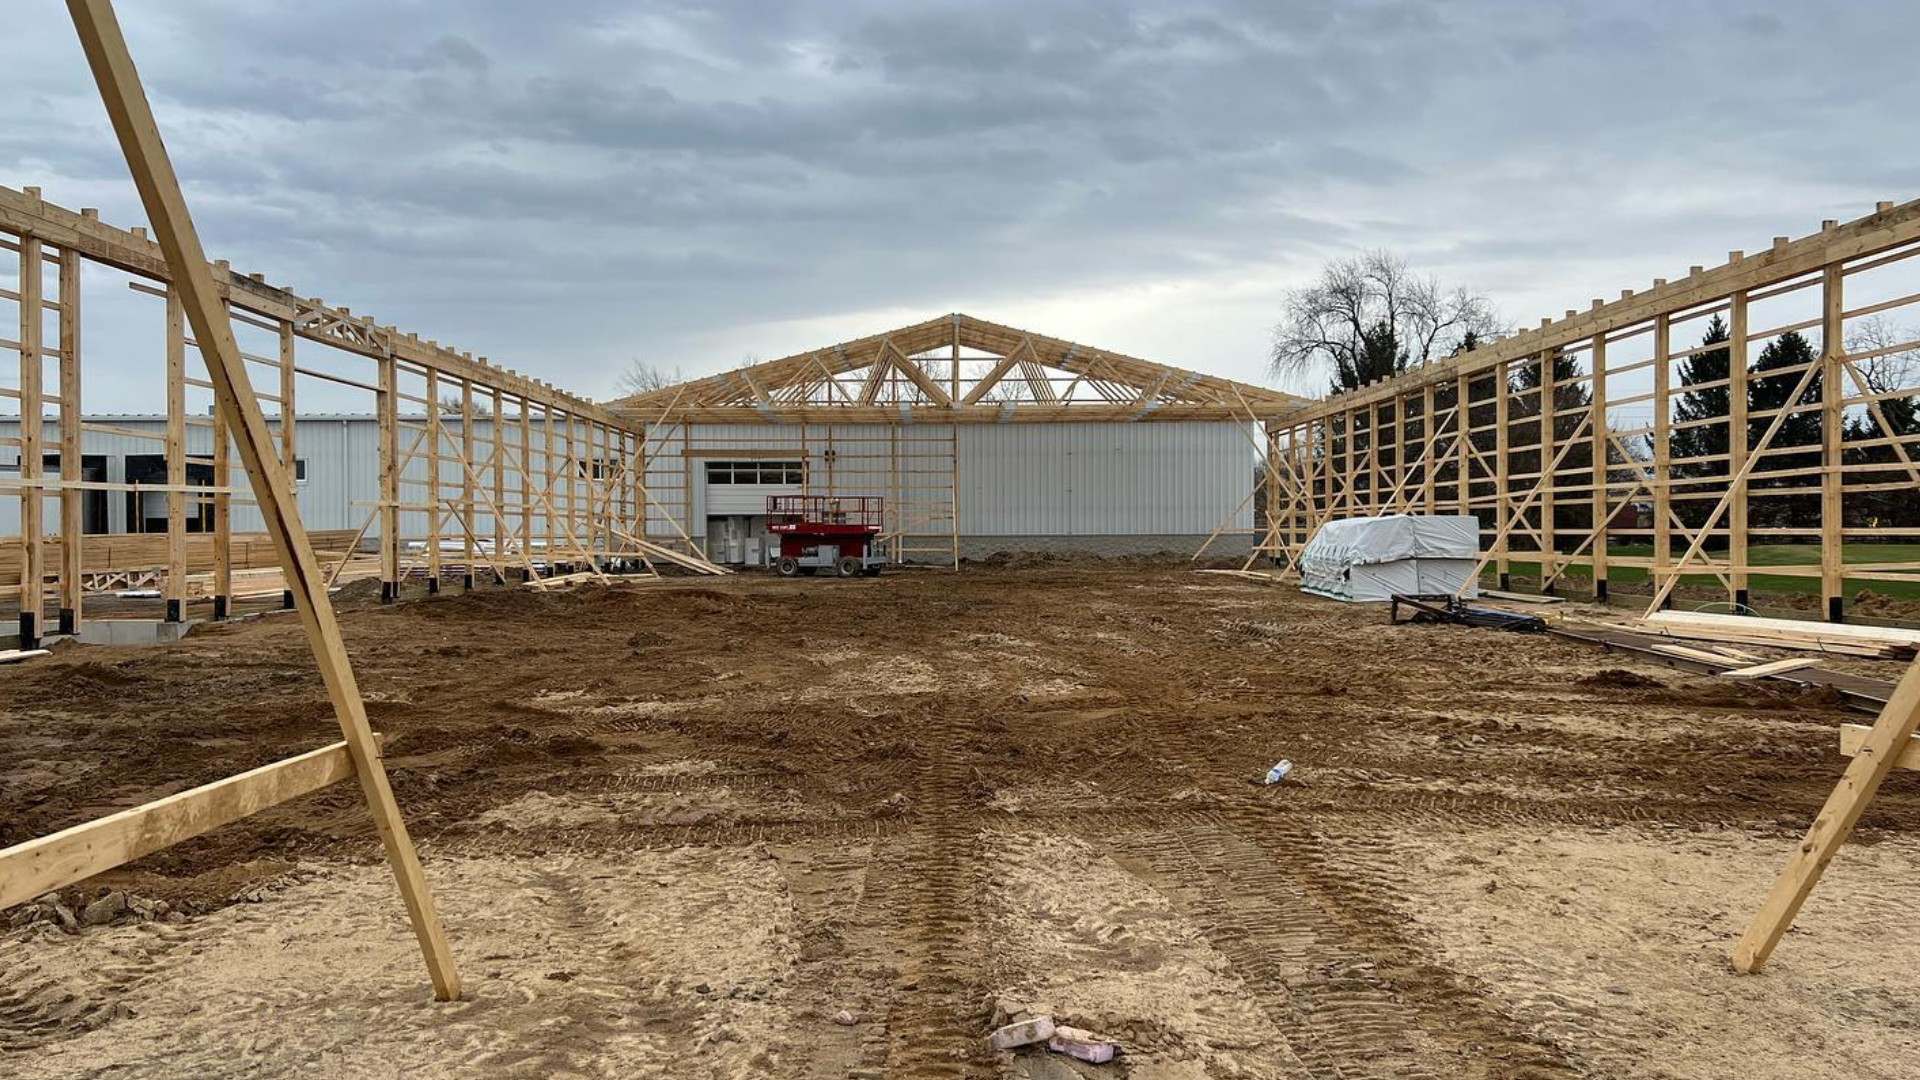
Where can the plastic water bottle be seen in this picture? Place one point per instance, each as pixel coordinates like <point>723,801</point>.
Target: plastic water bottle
<point>1279,772</point>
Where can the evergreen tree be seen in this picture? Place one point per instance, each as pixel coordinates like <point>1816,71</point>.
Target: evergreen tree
<point>1765,393</point>
<point>1523,433</point>
<point>1708,403</point>
<point>1895,505</point>
<point>1379,356</point>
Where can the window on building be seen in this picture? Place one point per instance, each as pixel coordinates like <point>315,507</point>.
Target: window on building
<point>755,472</point>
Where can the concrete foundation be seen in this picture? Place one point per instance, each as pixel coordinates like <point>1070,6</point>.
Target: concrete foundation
<point>130,631</point>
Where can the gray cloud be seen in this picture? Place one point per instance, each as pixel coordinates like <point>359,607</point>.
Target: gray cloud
<point>568,189</point>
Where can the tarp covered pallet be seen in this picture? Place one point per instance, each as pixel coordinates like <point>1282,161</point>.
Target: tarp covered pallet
<point>1373,558</point>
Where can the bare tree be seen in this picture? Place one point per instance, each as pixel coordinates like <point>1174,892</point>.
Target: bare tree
<point>1370,317</point>
<point>644,378</point>
<point>1892,354</point>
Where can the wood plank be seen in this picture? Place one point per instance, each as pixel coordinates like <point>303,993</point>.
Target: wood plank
<point>1772,667</point>
<point>14,656</point>
<point>1875,757</point>
<point>57,860</point>
<point>1700,655</point>
<point>1854,736</point>
<point>1749,624</point>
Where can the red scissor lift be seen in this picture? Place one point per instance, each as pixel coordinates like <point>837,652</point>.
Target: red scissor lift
<point>839,533</point>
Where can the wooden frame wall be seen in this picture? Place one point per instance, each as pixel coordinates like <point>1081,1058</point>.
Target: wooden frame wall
<point>1470,435</point>
<point>555,486</point>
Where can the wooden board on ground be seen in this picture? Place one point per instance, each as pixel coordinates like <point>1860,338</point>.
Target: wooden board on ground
<point>1770,668</point>
<point>1792,628</point>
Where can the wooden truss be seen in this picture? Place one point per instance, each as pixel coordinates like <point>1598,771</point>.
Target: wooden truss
<point>1549,435</point>
<point>918,374</point>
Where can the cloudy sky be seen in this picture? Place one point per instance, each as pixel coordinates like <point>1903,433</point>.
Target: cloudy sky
<point>565,187</point>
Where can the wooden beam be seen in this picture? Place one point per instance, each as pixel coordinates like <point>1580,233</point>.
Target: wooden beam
<point>53,862</point>
<point>192,277</point>
<point>1885,745</point>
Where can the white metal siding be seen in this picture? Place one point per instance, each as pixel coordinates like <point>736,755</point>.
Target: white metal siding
<point>1069,479</point>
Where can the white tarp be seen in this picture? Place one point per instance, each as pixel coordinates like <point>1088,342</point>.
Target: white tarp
<point>1372,558</point>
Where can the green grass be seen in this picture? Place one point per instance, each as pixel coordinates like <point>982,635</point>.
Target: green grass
<point>1757,555</point>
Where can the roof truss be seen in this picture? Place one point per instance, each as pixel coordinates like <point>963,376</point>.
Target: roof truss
<point>957,368</point>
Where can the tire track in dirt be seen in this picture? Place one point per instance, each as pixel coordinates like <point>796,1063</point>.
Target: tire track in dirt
<point>935,1022</point>
<point>1322,956</point>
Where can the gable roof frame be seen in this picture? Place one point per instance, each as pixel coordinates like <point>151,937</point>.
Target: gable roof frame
<point>885,378</point>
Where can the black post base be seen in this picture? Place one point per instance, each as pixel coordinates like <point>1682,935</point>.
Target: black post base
<point>69,620</point>
<point>1741,598</point>
<point>29,630</point>
<point>1836,611</point>
<point>467,582</point>
<point>389,591</point>
<point>1506,582</point>
<point>433,586</point>
<point>1600,589</point>
<point>286,599</point>
<point>173,611</point>
<point>220,604</point>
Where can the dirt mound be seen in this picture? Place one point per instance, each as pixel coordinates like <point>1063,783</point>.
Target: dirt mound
<point>1620,679</point>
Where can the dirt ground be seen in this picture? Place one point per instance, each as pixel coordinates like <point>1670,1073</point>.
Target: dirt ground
<point>674,829</point>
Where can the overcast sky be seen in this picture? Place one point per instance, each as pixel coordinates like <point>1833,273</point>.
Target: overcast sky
<point>567,186</point>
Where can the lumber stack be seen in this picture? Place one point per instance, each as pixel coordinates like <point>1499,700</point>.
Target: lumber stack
<point>1870,642</point>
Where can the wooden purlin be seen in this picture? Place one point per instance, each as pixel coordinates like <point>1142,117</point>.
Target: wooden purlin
<point>27,215</point>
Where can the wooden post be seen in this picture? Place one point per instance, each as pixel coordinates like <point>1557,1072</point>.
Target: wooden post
<point>548,478</point>
<point>72,509</point>
<point>1548,402</point>
<point>153,175</point>
<point>1600,474</point>
<point>496,460</point>
<point>1737,444</point>
<point>223,518</point>
<point>1831,827</point>
<point>387,407</point>
<point>1662,457</point>
<point>1431,463</point>
<point>32,567</point>
<point>526,482</point>
<point>289,418</point>
<point>1462,444</point>
<point>176,447</point>
<point>1502,440</point>
<point>466,483</point>
<point>1832,555</point>
<point>434,436</point>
